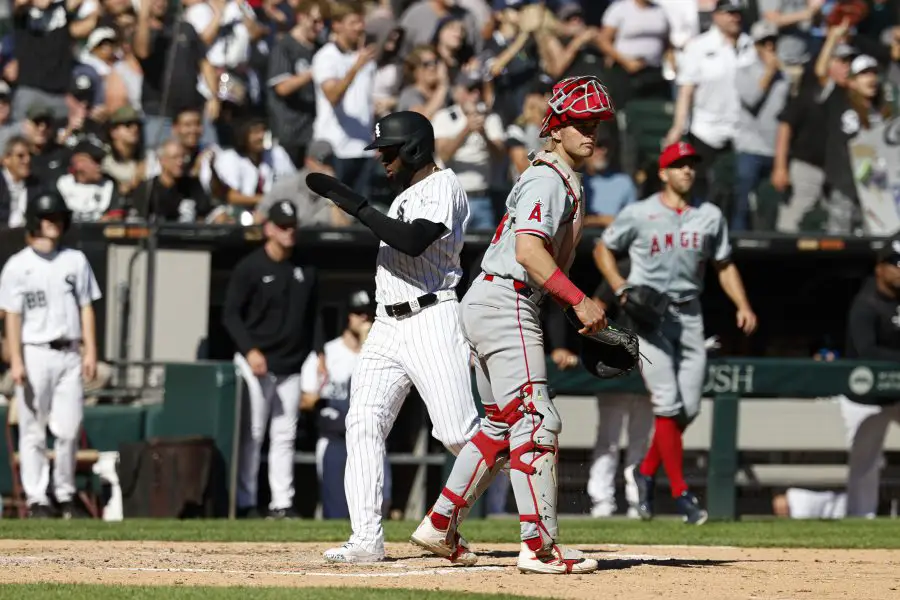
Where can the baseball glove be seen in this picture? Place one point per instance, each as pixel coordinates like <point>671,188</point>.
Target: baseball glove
<point>646,307</point>
<point>609,353</point>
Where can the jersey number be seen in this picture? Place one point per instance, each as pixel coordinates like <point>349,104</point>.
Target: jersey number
<point>35,300</point>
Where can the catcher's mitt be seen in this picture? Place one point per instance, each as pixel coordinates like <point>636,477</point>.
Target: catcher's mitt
<point>646,306</point>
<point>608,353</point>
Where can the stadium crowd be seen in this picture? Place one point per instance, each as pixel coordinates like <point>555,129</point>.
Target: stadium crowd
<point>211,110</point>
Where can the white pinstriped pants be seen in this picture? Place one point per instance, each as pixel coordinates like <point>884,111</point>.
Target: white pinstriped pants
<point>427,350</point>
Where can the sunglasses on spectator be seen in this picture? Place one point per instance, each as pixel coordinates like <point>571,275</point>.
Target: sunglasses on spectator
<point>429,64</point>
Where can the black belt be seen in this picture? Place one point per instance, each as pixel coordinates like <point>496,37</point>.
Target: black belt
<point>401,309</point>
<point>62,344</point>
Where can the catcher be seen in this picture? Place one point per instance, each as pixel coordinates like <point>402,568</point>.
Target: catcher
<point>669,244</point>
<point>527,261</point>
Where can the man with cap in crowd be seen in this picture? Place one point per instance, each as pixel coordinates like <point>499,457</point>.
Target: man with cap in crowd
<point>49,158</point>
<point>272,314</point>
<point>763,88</point>
<point>17,185</point>
<point>873,333</point>
<point>85,117</point>
<point>468,139</point>
<point>311,209</point>
<point>96,61</point>
<point>329,395</point>
<point>172,195</point>
<point>708,107</point>
<point>89,192</point>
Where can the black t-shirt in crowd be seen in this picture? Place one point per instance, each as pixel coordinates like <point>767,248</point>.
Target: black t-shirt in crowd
<point>291,116</point>
<point>43,47</point>
<point>187,197</point>
<point>182,40</point>
<point>873,328</point>
<point>513,84</point>
<point>805,113</point>
<point>274,307</point>
<point>842,124</point>
<point>51,163</point>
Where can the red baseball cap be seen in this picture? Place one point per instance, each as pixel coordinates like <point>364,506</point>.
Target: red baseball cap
<point>675,152</point>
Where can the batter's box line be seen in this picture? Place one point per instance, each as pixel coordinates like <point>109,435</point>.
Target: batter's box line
<point>416,573</point>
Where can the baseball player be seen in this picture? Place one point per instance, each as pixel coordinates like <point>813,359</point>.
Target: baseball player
<point>271,312</point>
<point>47,292</point>
<point>330,394</point>
<point>669,243</point>
<point>533,248</point>
<point>416,338</point>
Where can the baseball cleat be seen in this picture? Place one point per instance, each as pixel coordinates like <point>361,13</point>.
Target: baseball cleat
<point>689,506</point>
<point>40,511</point>
<point>434,540</point>
<point>555,560</point>
<point>644,487</point>
<point>352,553</point>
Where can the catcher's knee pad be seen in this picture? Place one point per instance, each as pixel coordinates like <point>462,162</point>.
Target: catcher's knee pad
<point>536,432</point>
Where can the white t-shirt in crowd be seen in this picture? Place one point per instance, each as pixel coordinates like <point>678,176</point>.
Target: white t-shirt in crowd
<point>231,47</point>
<point>347,126</point>
<point>240,174</point>
<point>641,31</point>
<point>472,162</point>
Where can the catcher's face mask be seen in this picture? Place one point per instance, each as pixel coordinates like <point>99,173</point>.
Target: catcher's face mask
<point>577,100</point>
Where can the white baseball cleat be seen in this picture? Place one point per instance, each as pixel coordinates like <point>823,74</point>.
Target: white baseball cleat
<point>434,540</point>
<point>353,553</point>
<point>555,561</point>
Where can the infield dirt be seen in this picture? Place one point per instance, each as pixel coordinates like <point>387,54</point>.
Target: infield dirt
<point>626,572</point>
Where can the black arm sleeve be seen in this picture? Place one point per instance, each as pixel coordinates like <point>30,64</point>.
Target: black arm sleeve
<point>862,327</point>
<point>408,238</point>
<point>239,291</point>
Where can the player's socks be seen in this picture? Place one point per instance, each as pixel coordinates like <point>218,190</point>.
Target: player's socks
<point>668,438</point>
<point>650,464</point>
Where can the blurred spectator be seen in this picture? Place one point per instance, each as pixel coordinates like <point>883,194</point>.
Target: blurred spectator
<point>8,127</point>
<point>684,25</point>
<point>292,96</point>
<point>344,75</point>
<point>427,83</point>
<point>635,39</point>
<point>799,503</point>
<point>574,46</point>
<point>241,175</point>
<point>17,184</point>
<point>124,83</point>
<point>311,209</point>
<point>88,193</point>
<point>125,161</point>
<point>187,129</point>
<point>450,43</point>
<point>49,159</point>
<point>421,23</point>
<point>388,73</point>
<point>9,66</point>
<point>707,97</point>
<point>514,54</point>
<point>113,10</point>
<point>468,138</point>
<point>848,111</point>
<point>172,195</point>
<point>158,43</point>
<point>607,190</point>
<point>84,117</point>
<point>881,18</point>
<point>763,87</point>
<point>524,135</point>
<point>96,62</point>
<point>793,19</point>
<point>799,163</point>
<point>43,31</point>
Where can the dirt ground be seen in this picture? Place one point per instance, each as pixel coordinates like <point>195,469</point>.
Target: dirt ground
<point>632,572</point>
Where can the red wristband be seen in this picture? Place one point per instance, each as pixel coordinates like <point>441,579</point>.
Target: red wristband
<point>561,287</point>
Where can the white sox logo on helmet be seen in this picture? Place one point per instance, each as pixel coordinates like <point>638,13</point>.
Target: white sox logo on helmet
<point>377,129</point>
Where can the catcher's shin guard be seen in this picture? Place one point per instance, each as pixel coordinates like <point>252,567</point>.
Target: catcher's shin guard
<point>534,444</point>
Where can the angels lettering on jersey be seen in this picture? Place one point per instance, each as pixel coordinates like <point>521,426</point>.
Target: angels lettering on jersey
<point>683,240</point>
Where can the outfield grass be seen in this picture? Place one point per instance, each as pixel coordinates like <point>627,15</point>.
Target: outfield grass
<point>849,533</point>
<point>92,592</point>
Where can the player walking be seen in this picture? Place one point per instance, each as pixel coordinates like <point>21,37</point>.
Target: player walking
<point>669,243</point>
<point>416,338</point>
<point>532,250</point>
<point>47,292</point>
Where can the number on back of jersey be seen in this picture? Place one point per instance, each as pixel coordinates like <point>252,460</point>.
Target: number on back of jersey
<point>35,300</point>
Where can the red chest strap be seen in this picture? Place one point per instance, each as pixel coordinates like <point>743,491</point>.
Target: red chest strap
<point>540,161</point>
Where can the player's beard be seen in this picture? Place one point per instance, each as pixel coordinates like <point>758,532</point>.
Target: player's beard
<point>401,178</point>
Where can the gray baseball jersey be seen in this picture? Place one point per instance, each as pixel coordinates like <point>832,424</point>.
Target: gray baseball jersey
<point>669,248</point>
<point>539,204</point>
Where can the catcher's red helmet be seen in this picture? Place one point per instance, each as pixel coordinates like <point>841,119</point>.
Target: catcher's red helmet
<point>582,98</point>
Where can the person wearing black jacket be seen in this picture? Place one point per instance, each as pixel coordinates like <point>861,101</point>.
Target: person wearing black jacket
<point>272,314</point>
<point>873,333</point>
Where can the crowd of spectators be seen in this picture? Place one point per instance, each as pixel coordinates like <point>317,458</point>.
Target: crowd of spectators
<point>210,110</point>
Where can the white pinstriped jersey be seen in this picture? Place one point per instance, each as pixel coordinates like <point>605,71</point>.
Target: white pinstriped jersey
<point>48,291</point>
<point>539,204</point>
<point>400,278</point>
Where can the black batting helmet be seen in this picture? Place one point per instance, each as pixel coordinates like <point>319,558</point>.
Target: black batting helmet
<point>409,130</point>
<point>44,204</point>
